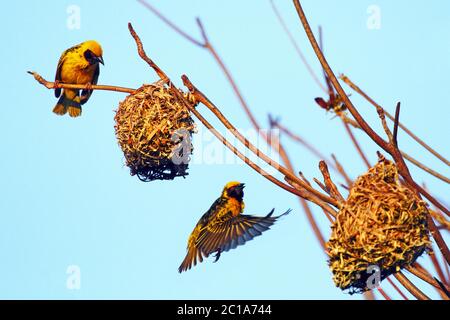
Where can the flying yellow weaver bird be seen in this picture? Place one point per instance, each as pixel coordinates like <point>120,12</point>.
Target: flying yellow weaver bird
<point>224,227</point>
<point>77,65</point>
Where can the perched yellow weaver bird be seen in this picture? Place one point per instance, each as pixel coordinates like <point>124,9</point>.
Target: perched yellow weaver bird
<point>77,65</point>
<point>224,227</point>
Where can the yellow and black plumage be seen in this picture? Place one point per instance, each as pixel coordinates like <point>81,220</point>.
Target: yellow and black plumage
<point>224,227</point>
<point>77,65</point>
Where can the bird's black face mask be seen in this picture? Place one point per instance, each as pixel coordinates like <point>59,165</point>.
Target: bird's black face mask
<point>92,58</point>
<point>237,192</point>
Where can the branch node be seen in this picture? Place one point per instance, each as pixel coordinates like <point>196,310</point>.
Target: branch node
<point>329,184</point>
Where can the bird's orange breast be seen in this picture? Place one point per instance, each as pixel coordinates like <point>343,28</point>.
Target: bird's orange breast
<point>74,73</point>
<point>234,206</point>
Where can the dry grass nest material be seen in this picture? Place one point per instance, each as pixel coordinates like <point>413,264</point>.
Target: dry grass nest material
<point>154,130</point>
<point>382,223</point>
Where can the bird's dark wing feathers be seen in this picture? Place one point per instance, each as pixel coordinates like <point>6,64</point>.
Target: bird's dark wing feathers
<point>59,67</point>
<point>58,73</point>
<point>86,94</point>
<point>230,232</point>
<point>212,210</point>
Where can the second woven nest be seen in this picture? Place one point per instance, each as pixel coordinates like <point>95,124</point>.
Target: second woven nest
<point>154,130</point>
<point>382,224</point>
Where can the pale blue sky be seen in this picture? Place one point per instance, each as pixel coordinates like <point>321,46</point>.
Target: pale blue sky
<point>67,198</point>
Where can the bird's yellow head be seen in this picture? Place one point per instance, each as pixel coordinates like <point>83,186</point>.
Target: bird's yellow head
<point>92,52</point>
<point>234,190</point>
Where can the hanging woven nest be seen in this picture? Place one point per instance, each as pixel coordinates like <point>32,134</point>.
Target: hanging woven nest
<point>154,130</point>
<point>382,224</point>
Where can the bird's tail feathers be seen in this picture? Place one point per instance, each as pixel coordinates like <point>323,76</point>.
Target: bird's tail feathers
<point>60,109</point>
<point>191,259</point>
<point>66,104</point>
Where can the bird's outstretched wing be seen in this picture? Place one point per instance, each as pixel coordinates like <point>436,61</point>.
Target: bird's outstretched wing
<point>229,232</point>
<point>86,94</point>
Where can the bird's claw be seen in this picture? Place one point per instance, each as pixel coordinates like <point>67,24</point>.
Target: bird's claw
<point>56,84</point>
<point>217,256</point>
<point>88,86</point>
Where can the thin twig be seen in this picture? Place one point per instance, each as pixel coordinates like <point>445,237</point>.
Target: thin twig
<point>143,55</point>
<point>303,142</point>
<point>425,276</point>
<point>383,293</point>
<point>330,186</point>
<point>400,292</point>
<point>447,293</point>
<point>439,217</point>
<point>254,166</point>
<point>305,205</point>
<point>59,85</point>
<point>447,270</point>
<point>388,132</point>
<point>425,168</point>
<point>315,200</point>
<point>321,185</point>
<point>231,80</point>
<point>416,292</point>
<point>301,175</point>
<point>330,218</point>
<point>274,123</point>
<point>403,127</point>
<point>437,266</point>
<point>369,295</point>
<point>415,162</point>
<point>170,24</point>
<point>342,171</point>
<point>356,144</point>
<point>296,46</point>
<point>334,98</point>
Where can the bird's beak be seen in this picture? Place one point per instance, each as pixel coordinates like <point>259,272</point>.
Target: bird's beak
<point>100,59</point>
<point>241,186</point>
